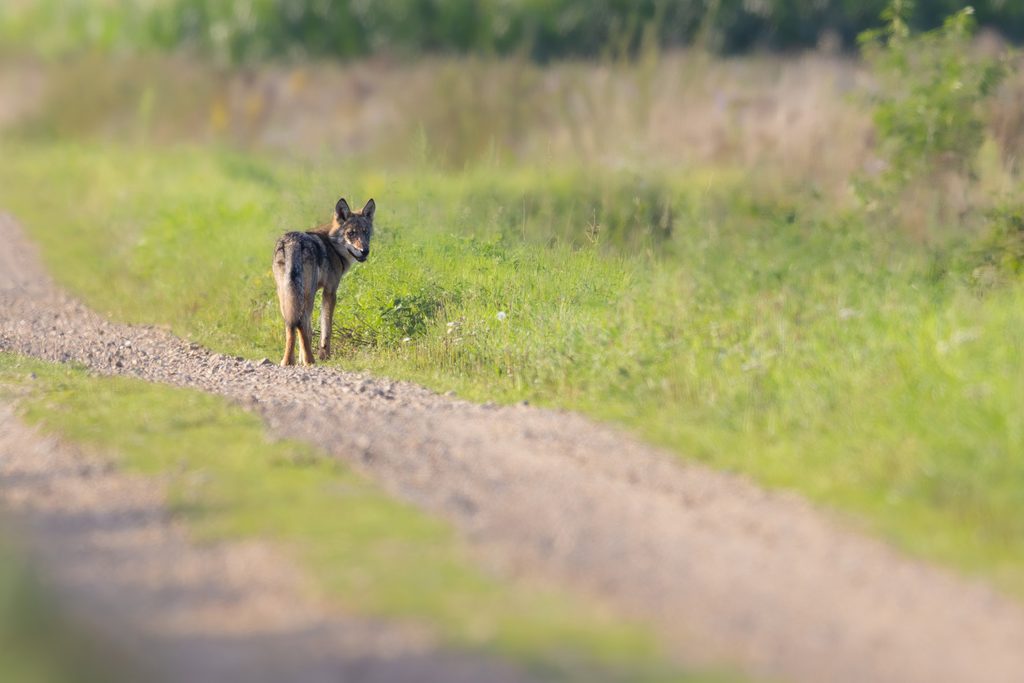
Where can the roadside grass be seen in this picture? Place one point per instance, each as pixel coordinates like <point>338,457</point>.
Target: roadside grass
<point>372,554</point>
<point>37,645</point>
<point>756,330</point>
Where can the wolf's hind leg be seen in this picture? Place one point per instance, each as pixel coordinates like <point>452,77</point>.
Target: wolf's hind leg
<point>289,345</point>
<point>305,337</point>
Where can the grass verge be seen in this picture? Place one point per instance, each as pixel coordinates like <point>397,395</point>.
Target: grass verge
<point>374,555</point>
<point>755,331</point>
<point>37,645</point>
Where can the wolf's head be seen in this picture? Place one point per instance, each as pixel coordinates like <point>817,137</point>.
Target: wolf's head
<point>351,230</point>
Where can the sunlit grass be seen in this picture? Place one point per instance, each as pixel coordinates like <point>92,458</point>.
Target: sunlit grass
<point>760,333</point>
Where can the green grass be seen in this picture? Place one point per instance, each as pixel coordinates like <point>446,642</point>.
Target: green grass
<point>755,331</point>
<point>373,555</point>
<point>37,645</point>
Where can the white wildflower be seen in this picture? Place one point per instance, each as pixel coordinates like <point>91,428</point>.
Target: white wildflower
<point>958,338</point>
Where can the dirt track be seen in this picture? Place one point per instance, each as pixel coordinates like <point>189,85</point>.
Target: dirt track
<point>723,569</point>
<point>166,609</point>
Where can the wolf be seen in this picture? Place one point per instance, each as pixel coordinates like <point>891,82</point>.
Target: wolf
<point>307,261</point>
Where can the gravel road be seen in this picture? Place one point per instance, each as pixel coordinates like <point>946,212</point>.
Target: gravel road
<point>723,569</point>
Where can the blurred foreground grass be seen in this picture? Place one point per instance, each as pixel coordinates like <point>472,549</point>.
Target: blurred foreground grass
<point>36,644</point>
<point>758,332</point>
<point>373,555</point>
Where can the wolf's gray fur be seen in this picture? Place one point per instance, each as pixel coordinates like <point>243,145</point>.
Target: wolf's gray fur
<point>307,261</point>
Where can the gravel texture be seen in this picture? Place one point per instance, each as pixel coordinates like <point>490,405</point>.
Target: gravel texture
<point>723,569</point>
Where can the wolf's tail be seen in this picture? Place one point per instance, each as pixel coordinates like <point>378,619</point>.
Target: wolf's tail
<point>293,282</point>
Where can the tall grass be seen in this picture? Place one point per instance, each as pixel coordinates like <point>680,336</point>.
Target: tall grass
<point>786,122</point>
<point>773,115</point>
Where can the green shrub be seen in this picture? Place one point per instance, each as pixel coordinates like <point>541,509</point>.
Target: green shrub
<point>931,86</point>
<point>929,109</point>
<point>999,255</point>
<point>387,320</point>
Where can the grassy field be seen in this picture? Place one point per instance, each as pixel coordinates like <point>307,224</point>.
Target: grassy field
<point>375,556</point>
<point>756,329</point>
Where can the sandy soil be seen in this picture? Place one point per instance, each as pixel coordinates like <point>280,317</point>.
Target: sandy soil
<point>723,569</point>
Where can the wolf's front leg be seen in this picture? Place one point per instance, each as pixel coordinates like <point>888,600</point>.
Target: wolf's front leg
<point>326,320</point>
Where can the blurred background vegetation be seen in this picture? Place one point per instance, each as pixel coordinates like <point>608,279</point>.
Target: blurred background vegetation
<point>242,30</point>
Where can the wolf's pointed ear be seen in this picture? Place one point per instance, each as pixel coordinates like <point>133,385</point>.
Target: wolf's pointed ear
<point>342,211</point>
<point>368,210</point>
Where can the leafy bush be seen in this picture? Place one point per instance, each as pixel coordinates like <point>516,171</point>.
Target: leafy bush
<point>931,86</point>
<point>377,318</point>
<point>1000,254</point>
<point>929,118</point>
